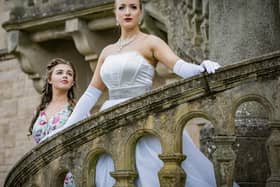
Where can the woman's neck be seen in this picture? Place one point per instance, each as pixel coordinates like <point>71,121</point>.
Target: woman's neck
<point>129,33</point>
<point>59,97</point>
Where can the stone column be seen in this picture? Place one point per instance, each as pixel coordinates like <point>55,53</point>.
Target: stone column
<point>242,29</point>
<point>273,152</point>
<point>171,174</point>
<point>224,160</point>
<point>124,178</point>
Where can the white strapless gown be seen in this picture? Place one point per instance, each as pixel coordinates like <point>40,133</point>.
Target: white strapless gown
<point>128,75</point>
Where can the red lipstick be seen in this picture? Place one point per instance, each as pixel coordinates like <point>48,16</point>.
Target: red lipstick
<point>128,19</point>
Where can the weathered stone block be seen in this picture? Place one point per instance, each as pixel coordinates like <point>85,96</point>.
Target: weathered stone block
<point>8,108</point>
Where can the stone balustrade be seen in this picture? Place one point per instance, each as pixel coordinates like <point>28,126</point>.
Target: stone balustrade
<point>163,113</point>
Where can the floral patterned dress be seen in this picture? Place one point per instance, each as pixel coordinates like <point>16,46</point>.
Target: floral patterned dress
<point>44,126</point>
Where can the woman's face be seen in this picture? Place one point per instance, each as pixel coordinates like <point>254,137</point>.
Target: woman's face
<point>128,13</point>
<point>62,77</point>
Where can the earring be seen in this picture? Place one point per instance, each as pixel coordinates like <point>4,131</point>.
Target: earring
<point>117,23</point>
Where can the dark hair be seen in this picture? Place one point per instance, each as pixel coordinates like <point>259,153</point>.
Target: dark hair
<point>47,89</point>
<point>140,3</point>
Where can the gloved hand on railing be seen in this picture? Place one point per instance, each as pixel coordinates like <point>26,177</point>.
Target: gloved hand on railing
<point>185,69</point>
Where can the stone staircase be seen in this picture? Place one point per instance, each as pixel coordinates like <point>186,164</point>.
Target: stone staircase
<point>235,111</point>
<point>163,113</point>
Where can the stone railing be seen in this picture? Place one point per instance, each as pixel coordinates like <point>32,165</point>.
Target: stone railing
<point>163,113</point>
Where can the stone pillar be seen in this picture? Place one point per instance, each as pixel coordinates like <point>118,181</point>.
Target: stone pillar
<point>171,174</point>
<point>242,29</point>
<point>273,152</point>
<point>124,178</point>
<point>224,160</point>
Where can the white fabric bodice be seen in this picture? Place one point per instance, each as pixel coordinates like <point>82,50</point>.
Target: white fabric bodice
<point>127,75</point>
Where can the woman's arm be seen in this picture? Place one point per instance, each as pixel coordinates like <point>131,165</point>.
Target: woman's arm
<point>96,80</point>
<point>163,53</point>
<point>90,96</point>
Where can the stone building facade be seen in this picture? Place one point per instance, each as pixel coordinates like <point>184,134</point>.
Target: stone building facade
<point>17,101</point>
<point>235,109</point>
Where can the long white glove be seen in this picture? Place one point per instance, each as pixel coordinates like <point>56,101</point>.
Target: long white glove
<point>84,105</point>
<point>185,69</point>
<point>81,110</point>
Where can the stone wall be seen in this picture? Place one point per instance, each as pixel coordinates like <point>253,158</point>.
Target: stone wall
<point>243,29</point>
<point>4,16</point>
<point>18,101</point>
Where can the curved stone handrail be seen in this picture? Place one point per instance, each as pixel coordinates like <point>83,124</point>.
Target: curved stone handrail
<point>196,92</point>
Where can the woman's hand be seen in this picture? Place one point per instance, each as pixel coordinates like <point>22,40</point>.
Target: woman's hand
<point>210,66</point>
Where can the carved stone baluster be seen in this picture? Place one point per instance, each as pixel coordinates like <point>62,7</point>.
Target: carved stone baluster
<point>171,174</point>
<point>273,152</point>
<point>124,178</point>
<point>196,22</point>
<point>224,160</point>
<point>204,27</point>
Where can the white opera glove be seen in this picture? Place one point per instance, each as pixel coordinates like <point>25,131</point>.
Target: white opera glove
<point>81,110</point>
<point>210,66</point>
<point>84,105</point>
<point>186,70</point>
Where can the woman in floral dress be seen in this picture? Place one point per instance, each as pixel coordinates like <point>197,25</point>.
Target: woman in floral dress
<point>56,104</point>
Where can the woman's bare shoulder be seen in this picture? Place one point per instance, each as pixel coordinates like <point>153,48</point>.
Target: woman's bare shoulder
<point>153,37</point>
<point>154,40</point>
<point>107,51</point>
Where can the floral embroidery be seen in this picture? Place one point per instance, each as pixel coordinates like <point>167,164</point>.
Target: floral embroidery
<point>55,120</point>
<point>42,122</point>
<point>42,126</point>
<point>69,180</point>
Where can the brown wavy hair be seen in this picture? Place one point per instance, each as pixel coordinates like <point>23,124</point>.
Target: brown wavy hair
<point>47,89</point>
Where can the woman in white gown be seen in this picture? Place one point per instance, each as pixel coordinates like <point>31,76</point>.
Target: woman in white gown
<point>126,69</point>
